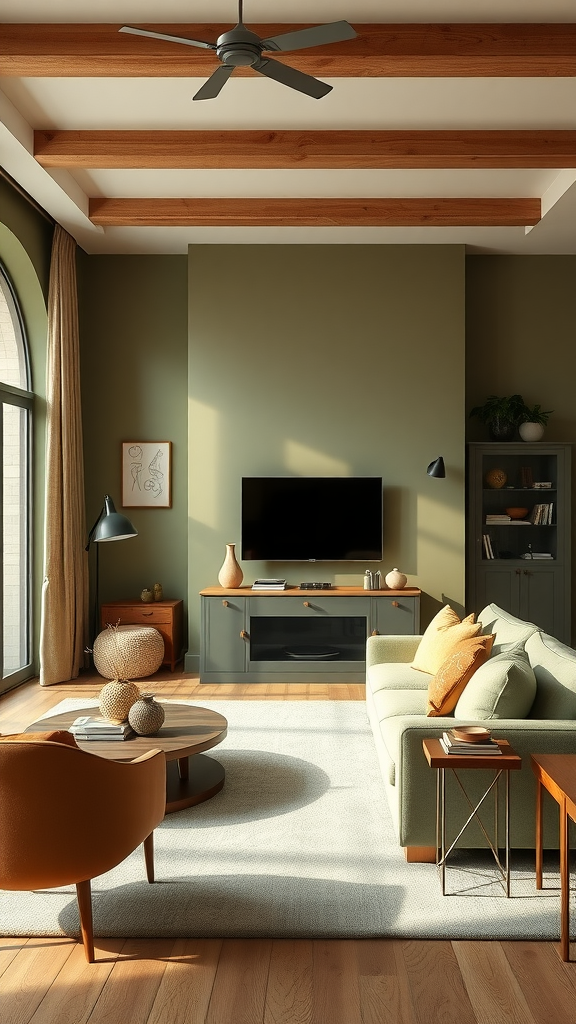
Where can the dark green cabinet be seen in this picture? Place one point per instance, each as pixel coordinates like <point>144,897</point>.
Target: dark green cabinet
<point>297,636</point>
<point>521,564</point>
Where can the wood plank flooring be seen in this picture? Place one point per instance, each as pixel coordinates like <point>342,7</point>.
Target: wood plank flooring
<point>269,981</point>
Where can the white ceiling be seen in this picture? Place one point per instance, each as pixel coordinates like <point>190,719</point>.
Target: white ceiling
<point>258,103</point>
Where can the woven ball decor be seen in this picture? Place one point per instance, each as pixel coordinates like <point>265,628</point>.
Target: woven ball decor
<point>128,652</point>
<point>146,715</point>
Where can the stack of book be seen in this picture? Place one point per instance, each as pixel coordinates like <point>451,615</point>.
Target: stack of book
<point>488,549</point>
<point>537,554</point>
<point>269,585</point>
<point>499,518</point>
<point>452,745</point>
<point>94,727</point>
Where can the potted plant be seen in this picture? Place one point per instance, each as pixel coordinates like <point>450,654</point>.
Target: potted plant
<point>501,415</point>
<point>533,422</point>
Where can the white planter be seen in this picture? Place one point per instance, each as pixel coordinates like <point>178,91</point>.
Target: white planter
<point>531,431</point>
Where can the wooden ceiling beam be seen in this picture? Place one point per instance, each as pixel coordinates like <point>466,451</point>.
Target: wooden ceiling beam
<point>295,149</point>
<point>381,50</point>
<point>315,212</point>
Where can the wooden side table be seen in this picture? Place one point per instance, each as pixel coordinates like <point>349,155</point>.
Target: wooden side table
<point>500,764</point>
<point>556,773</point>
<point>165,616</point>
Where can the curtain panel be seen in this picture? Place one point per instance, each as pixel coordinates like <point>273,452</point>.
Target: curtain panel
<point>64,621</point>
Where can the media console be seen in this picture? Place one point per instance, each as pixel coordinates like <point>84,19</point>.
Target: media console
<point>293,636</point>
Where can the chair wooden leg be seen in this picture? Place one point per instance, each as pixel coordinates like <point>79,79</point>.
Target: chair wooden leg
<point>84,896</point>
<point>149,856</point>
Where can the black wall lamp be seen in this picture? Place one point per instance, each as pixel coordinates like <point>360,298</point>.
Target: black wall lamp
<point>110,525</point>
<point>437,467</point>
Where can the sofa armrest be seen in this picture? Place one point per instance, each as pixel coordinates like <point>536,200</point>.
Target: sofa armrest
<point>391,649</point>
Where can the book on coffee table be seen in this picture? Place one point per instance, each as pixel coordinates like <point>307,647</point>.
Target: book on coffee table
<point>89,727</point>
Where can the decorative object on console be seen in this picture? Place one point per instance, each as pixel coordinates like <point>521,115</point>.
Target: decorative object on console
<point>146,474</point>
<point>496,478</point>
<point>533,422</point>
<point>146,716</point>
<point>158,592</point>
<point>128,652</point>
<point>437,468</point>
<point>147,595</point>
<point>230,575</point>
<point>396,580</point>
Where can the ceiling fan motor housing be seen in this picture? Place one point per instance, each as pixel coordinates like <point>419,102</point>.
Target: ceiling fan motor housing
<point>239,47</point>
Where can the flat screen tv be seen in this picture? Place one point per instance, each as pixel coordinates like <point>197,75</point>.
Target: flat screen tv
<point>312,519</point>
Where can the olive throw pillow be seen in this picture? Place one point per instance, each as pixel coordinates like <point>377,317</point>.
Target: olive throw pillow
<point>454,674</point>
<point>441,638</point>
<point>504,687</point>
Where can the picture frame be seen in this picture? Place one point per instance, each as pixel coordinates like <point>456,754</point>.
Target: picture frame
<point>146,474</point>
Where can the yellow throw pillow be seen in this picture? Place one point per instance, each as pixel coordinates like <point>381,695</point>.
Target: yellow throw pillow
<point>449,682</point>
<point>442,637</point>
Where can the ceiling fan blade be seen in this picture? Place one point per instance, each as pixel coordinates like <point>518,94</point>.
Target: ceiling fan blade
<point>169,39</point>
<point>292,78</point>
<point>214,84</point>
<point>304,37</point>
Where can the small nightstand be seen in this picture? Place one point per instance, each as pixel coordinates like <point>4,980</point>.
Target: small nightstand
<point>165,616</point>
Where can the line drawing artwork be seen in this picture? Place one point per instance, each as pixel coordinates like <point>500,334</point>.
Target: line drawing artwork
<point>146,474</point>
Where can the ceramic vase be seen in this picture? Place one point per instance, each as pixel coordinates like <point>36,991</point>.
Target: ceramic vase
<point>147,595</point>
<point>146,715</point>
<point>158,592</point>
<point>230,575</point>
<point>396,580</point>
<point>116,699</point>
<point>531,431</point>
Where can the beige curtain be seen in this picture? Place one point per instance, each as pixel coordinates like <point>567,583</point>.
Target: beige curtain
<point>63,630</point>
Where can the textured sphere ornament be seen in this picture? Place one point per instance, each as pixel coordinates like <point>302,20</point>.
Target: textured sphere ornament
<point>230,575</point>
<point>146,715</point>
<point>496,478</point>
<point>116,699</point>
<point>396,580</point>
<point>147,595</point>
<point>128,652</point>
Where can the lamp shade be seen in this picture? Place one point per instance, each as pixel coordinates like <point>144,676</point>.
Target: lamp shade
<point>112,524</point>
<point>437,468</point>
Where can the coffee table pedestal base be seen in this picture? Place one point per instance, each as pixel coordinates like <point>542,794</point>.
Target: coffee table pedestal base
<point>204,778</point>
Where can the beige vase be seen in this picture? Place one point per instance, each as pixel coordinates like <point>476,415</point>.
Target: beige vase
<point>116,699</point>
<point>230,575</point>
<point>396,580</point>
<point>146,716</point>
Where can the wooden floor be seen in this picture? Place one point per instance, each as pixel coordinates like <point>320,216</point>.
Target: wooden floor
<point>270,981</point>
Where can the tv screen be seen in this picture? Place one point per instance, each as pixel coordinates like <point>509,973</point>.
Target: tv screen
<point>312,519</point>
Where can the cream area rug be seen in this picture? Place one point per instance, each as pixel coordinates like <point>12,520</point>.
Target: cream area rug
<point>299,843</point>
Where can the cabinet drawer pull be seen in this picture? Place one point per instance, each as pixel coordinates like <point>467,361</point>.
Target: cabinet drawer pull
<point>375,633</point>
<point>147,613</point>
<point>225,603</point>
<point>395,604</point>
<point>306,604</point>
<point>244,634</point>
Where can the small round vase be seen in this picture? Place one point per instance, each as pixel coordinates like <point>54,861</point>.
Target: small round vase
<point>116,699</point>
<point>230,575</point>
<point>396,580</point>
<point>146,715</point>
<point>147,595</point>
<point>531,431</point>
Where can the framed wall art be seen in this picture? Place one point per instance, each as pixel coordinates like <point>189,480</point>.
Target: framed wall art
<point>146,474</point>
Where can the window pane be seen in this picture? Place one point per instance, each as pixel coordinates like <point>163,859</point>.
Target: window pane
<point>12,350</point>
<point>14,535</point>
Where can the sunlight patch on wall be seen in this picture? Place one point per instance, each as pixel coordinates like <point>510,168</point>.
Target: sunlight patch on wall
<point>304,461</point>
<point>440,533</point>
<point>203,455</point>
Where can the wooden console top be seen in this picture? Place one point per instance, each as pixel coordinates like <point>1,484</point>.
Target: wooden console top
<point>294,591</point>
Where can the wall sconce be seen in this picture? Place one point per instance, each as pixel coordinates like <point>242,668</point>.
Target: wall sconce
<point>437,467</point>
<point>110,525</point>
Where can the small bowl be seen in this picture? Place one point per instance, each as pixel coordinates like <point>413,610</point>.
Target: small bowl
<point>471,733</point>
<point>517,513</point>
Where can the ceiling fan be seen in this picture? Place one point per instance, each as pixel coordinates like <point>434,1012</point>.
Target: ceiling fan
<point>242,48</point>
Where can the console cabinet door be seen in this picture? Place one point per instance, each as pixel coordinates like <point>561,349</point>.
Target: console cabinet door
<point>223,647</point>
<point>395,615</point>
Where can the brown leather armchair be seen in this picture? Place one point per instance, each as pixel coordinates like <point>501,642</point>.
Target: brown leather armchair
<point>67,815</point>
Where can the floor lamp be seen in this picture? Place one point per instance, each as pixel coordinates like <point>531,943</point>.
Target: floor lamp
<point>110,525</point>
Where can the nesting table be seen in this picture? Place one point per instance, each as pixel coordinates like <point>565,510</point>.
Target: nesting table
<point>556,773</point>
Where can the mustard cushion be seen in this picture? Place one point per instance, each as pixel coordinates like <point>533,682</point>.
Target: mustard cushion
<point>445,688</point>
<point>55,736</point>
<point>441,638</point>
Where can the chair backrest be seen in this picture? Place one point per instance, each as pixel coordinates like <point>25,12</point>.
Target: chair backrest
<point>67,815</point>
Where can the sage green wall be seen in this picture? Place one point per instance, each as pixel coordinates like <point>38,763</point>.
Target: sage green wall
<point>329,360</point>
<point>25,246</point>
<point>521,338</point>
<point>133,331</point>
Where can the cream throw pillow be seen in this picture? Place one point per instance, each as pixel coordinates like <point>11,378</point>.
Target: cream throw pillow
<point>504,687</point>
<point>447,685</point>
<point>442,637</point>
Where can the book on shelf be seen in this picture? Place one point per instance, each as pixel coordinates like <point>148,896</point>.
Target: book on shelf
<point>269,585</point>
<point>488,549</point>
<point>498,518</point>
<point>542,555</point>
<point>451,745</point>
<point>541,514</point>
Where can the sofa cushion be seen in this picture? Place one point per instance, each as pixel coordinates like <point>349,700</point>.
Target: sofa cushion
<point>393,703</point>
<point>396,676</point>
<point>504,687</point>
<point>441,637</point>
<point>447,685</point>
<point>509,631</point>
<point>554,666</point>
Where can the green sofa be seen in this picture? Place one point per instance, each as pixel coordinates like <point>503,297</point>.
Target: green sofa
<point>396,696</point>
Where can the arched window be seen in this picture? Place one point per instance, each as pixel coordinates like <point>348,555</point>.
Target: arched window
<point>15,542</point>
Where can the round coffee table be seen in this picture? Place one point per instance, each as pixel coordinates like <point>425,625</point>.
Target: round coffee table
<point>190,776</point>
